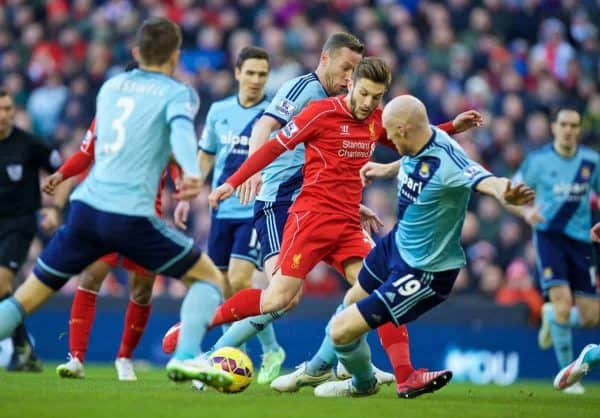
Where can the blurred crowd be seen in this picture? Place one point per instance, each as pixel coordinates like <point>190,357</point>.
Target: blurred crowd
<point>513,60</point>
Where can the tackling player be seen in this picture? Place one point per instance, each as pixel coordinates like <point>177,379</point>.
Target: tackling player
<point>414,267</point>
<point>324,224</point>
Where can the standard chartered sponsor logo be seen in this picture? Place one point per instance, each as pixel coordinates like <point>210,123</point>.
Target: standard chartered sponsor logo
<point>356,149</point>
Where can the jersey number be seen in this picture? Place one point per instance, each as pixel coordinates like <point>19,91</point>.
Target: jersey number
<point>127,104</point>
<point>406,285</point>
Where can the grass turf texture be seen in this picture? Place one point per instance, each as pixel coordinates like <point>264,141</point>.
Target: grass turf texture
<point>101,395</point>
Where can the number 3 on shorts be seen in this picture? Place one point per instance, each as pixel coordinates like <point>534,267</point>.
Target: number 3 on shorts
<point>407,285</point>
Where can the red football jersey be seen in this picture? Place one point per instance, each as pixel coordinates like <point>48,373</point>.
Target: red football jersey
<point>337,146</point>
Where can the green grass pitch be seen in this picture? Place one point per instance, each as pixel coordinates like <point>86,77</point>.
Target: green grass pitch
<point>101,395</point>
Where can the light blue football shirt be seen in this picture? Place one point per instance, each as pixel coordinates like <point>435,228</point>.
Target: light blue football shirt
<point>226,135</point>
<point>562,189</point>
<point>282,179</point>
<point>434,187</point>
<point>136,111</point>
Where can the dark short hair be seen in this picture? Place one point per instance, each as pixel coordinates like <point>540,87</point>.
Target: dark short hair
<point>340,40</point>
<point>557,111</point>
<point>374,69</point>
<point>157,39</point>
<point>251,52</point>
<point>4,92</point>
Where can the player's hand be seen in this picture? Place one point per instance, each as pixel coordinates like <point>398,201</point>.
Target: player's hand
<point>532,215</point>
<point>248,191</point>
<point>51,219</point>
<point>595,233</point>
<point>189,187</point>
<point>180,215</point>
<point>372,170</point>
<point>50,182</point>
<point>518,195</point>
<point>369,219</point>
<point>467,120</point>
<point>220,193</point>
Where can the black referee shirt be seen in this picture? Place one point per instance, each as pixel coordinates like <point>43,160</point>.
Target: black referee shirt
<point>22,155</point>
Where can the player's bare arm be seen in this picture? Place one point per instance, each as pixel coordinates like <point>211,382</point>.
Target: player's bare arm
<point>502,189</point>
<point>373,170</point>
<point>261,131</point>
<point>467,120</point>
<point>206,162</point>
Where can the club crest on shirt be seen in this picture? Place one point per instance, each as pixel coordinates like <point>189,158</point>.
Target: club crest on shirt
<point>286,108</point>
<point>424,170</point>
<point>14,171</point>
<point>547,273</point>
<point>585,172</point>
<point>290,129</point>
<point>296,258</point>
<point>372,130</point>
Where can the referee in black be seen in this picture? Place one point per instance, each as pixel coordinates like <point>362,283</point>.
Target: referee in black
<point>22,155</point>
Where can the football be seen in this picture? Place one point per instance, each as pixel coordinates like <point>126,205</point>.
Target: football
<point>237,364</point>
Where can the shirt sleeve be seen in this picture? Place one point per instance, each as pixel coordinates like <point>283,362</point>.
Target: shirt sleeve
<point>301,128</point>
<point>209,139</point>
<point>180,113</point>
<point>45,156</point>
<point>290,98</point>
<point>596,180</point>
<point>464,172</point>
<point>87,146</point>
<point>184,104</point>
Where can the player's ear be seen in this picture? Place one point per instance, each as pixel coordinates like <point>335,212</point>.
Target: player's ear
<point>237,73</point>
<point>135,53</point>
<point>324,58</point>
<point>350,84</point>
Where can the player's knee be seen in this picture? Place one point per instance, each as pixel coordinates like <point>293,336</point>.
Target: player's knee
<point>239,281</point>
<point>88,280</point>
<point>338,331</point>
<point>273,302</point>
<point>141,292</point>
<point>589,317</point>
<point>562,311</point>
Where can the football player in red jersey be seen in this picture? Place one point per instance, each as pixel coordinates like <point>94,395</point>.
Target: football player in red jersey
<point>339,134</point>
<point>91,279</point>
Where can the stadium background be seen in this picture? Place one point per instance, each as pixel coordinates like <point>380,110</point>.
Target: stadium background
<point>513,60</point>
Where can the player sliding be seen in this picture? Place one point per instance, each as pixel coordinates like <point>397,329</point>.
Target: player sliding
<point>84,303</point>
<point>324,222</point>
<point>414,267</point>
<point>142,117</point>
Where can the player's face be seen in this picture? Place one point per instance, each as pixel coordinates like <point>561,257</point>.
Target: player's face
<point>395,133</point>
<point>7,114</point>
<point>365,96</point>
<point>339,69</point>
<point>566,129</point>
<point>252,77</point>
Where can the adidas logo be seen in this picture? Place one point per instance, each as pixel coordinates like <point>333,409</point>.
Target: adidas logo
<point>258,326</point>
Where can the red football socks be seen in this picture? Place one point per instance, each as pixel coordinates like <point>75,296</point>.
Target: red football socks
<point>394,341</point>
<point>136,319</point>
<point>83,311</point>
<point>243,304</point>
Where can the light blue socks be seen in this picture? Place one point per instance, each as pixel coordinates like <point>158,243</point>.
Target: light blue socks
<point>325,357</point>
<point>11,315</point>
<point>197,310</point>
<point>242,331</point>
<point>356,357</point>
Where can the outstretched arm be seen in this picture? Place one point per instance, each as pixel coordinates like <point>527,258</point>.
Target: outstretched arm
<point>502,189</point>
